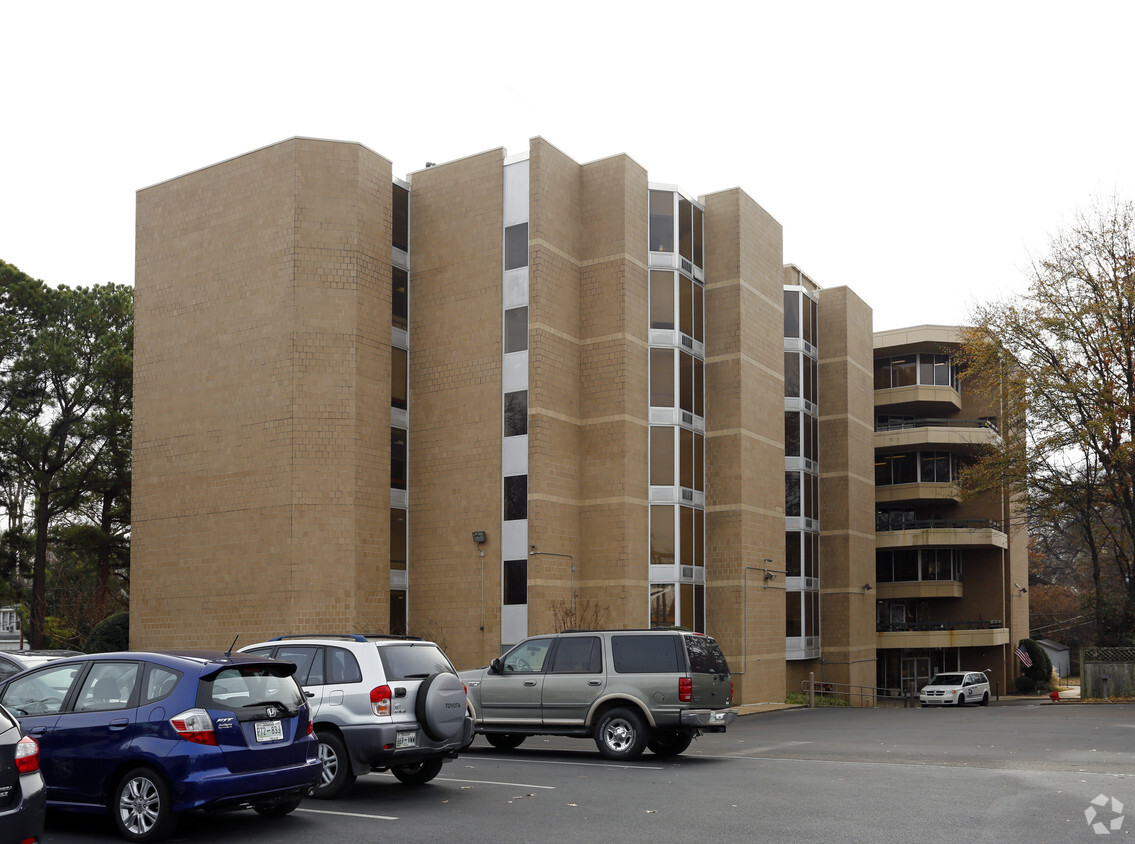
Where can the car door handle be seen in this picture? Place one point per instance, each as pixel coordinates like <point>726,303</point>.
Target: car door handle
<point>118,724</point>
<point>309,693</point>
<point>39,731</point>
<point>595,682</point>
<point>530,682</point>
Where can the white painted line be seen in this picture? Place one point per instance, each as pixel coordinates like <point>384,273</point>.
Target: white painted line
<point>477,782</point>
<point>582,764</point>
<point>348,814</point>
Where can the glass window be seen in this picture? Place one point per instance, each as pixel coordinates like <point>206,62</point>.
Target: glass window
<point>686,305</point>
<point>342,667</point>
<point>108,685</point>
<point>810,496</point>
<point>578,655</point>
<point>516,413</point>
<point>685,229</point>
<point>882,373</point>
<point>661,300</point>
<point>249,686</point>
<point>904,371</point>
<point>811,380</point>
<point>791,313</point>
<point>398,378</point>
<point>699,462</point>
<point>648,654</point>
<point>811,554</point>
<point>303,657</point>
<point>686,457</point>
<point>661,221</point>
<point>813,335</point>
<point>699,388</point>
<point>413,660</point>
<point>397,539</point>
<point>662,534</point>
<point>398,612</point>
<point>792,374</point>
<point>905,564</point>
<point>793,621</point>
<point>400,305</point>
<point>514,582</point>
<point>516,246</point>
<point>41,693</point>
<point>662,456</point>
<point>661,378</point>
<point>792,555</point>
<point>515,497</point>
<point>806,313</point>
<point>699,537</point>
<point>699,315</point>
<point>527,657</point>
<point>792,433</point>
<point>400,222</point>
<point>160,682</point>
<point>792,494</point>
<point>883,569</point>
<point>811,437</point>
<point>515,330</point>
<point>397,458</point>
<point>686,381</point>
<point>811,613</point>
<point>686,533</point>
<point>662,605</point>
<point>698,218</point>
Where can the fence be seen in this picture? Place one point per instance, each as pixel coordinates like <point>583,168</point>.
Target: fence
<point>1107,672</point>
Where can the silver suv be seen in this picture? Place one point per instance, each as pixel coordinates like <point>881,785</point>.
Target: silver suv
<point>378,703</point>
<point>626,689</point>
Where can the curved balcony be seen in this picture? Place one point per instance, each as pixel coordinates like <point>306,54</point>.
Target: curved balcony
<point>928,398</point>
<point>942,634</point>
<point>896,493</point>
<point>964,533</point>
<point>956,434</point>
<point>920,589</point>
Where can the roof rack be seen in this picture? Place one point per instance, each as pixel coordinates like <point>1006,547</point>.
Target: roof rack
<point>350,637</point>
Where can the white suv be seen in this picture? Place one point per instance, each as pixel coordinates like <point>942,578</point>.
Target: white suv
<point>378,703</point>
<point>956,687</point>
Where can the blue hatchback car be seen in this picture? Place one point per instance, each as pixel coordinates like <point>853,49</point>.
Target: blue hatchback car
<point>148,736</point>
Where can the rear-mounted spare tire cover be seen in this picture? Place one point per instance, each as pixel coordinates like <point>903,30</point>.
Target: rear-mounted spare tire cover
<point>440,706</point>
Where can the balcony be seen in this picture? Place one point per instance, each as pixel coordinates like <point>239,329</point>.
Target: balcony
<point>924,397</point>
<point>955,434</point>
<point>919,589</point>
<point>941,634</point>
<point>918,533</point>
<point>898,493</point>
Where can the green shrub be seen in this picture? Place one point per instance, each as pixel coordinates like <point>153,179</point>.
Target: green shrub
<point>801,699</point>
<point>1041,670</point>
<point>1025,685</point>
<point>110,634</point>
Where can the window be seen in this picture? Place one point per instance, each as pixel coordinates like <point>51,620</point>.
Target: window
<point>793,621</point>
<point>516,413</point>
<point>160,682</point>
<point>397,458</point>
<point>662,456</point>
<point>685,229</point>
<point>400,222</point>
<point>400,305</point>
<point>399,378</point>
<point>41,693</point>
<point>515,497</point>
<point>108,685</point>
<point>515,330</point>
<point>342,667</point>
<point>699,215</point>
<point>398,612</point>
<point>686,381</point>
<point>527,657</point>
<point>791,433</point>
<point>578,655</point>
<point>792,559</point>
<point>661,606</point>
<point>792,494</point>
<point>661,534</point>
<point>661,378</point>
<point>661,221</point>
<point>397,539</point>
<point>686,305</point>
<point>661,300</point>
<point>656,654</point>
<point>308,660</point>
<point>516,246</point>
<point>792,375</point>
<point>514,580</point>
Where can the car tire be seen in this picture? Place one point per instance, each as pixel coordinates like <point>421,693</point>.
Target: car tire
<point>418,774</point>
<point>279,808</point>
<point>505,741</point>
<point>668,744</point>
<point>440,706</point>
<point>961,701</point>
<point>621,734</point>
<point>142,806</point>
<point>985,699</point>
<point>336,773</point>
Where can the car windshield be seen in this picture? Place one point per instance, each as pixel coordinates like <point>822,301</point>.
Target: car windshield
<point>249,686</point>
<point>947,680</point>
<point>413,660</point>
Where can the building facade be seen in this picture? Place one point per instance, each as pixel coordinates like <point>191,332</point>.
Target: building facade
<point>580,371</point>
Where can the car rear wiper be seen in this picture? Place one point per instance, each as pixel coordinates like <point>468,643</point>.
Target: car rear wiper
<point>283,707</point>
<point>415,676</point>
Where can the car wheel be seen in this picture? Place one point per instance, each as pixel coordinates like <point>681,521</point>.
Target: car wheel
<point>668,744</point>
<point>418,774</point>
<point>505,741</point>
<point>336,773</point>
<point>143,810</point>
<point>279,808</point>
<point>440,706</point>
<point>985,699</point>
<point>961,701</point>
<point>621,734</point>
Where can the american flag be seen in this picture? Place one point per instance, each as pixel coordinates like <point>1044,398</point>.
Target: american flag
<point>1023,657</point>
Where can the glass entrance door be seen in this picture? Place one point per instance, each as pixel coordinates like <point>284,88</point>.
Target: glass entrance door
<point>915,672</point>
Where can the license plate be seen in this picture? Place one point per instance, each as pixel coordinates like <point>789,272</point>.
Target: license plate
<point>269,731</point>
<point>406,740</point>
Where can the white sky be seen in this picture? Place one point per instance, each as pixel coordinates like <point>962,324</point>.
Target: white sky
<point>916,152</point>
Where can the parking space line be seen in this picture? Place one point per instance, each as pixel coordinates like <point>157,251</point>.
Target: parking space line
<point>481,782</point>
<point>348,814</point>
<point>583,764</point>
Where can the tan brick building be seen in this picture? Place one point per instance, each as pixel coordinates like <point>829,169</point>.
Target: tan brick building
<point>581,372</point>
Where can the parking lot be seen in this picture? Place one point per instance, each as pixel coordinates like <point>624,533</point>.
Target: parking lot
<point>1009,772</point>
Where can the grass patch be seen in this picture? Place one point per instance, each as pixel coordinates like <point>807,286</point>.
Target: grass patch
<point>801,699</point>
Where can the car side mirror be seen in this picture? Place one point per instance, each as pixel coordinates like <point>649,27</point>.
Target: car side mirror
<point>495,666</point>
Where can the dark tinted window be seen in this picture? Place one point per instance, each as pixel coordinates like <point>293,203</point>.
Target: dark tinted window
<point>645,654</point>
<point>342,667</point>
<point>515,497</point>
<point>250,686</point>
<point>516,246</point>
<point>578,655</point>
<point>705,656</point>
<point>400,222</point>
<point>413,661</point>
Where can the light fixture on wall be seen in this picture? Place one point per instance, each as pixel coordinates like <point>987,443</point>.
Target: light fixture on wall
<point>1021,590</point>
<point>867,587</point>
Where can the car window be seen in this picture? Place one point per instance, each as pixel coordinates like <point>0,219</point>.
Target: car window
<point>947,680</point>
<point>108,685</point>
<point>304,657</point>
<point>249,686</point>
<point>578,655</point>
<point>160,682</point>
<point>342,667</point>
<point>645,654</point>
<point>41,693</point>
<point>8,667</point>
<point>413,660</point>
<point>705,655</point>
<point>527,657</point>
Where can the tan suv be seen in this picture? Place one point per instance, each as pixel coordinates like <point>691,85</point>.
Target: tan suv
<point>628,690</point>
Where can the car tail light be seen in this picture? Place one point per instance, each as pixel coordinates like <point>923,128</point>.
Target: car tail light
<point>196,726</point>
<point>730,691</point>
<point>685,689</point>
<point>27,755</point>
<point>310,727</point>
<point>380,700</point>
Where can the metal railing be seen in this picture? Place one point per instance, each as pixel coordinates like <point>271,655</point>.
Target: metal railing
<point>823,693</point>
<point>884,523</point>
<point>928,422</point>
<point>925,626</point>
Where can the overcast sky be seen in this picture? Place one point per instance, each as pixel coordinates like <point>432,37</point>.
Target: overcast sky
<point>919,153</point>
